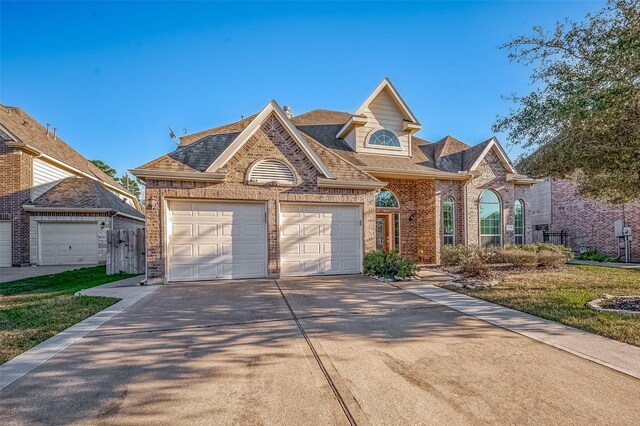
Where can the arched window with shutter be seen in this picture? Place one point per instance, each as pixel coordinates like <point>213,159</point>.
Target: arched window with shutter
<point>272,171</point>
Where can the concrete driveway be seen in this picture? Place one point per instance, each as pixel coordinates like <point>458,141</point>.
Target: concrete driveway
<point>10,274</point>
<point>335,350</point>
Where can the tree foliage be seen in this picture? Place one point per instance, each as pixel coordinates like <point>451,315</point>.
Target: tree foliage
<point>583,119</point>
<point>130,183</point>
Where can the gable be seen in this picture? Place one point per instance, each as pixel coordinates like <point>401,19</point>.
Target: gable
<point>271,111</point>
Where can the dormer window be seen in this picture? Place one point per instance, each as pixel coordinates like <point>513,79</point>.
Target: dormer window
<point>384,137</point>
<point>271,171</point>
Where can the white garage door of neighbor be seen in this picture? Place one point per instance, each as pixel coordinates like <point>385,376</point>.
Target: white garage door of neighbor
<point>319,239</point>
<point>5,243</point>
<point>209,240</point>
<point>68,243</point>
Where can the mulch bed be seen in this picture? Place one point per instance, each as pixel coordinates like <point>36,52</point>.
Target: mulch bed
<point>627,304</point>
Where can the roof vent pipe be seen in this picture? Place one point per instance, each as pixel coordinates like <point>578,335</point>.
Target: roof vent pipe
<point>287,112</point>
<point>54,133</point>
<point>48,125</point>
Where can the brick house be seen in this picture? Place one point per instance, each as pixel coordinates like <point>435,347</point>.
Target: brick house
<point>589,224</point>
<point>55,206</point>
<point>282,195</point>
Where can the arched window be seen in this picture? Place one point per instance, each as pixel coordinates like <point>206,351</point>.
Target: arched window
<point>384,137</point>
<point>386,200</point>
<point>448,220</point>
<point>518,213</point>
<point>490,219</point>
<point>272,171</point>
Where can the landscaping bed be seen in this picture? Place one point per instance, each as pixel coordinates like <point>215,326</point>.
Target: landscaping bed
<point>35,309</point>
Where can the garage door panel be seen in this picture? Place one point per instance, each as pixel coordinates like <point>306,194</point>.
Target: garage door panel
<point>63,243</point>
<point>5,243</point>
<point>230,241</point>
<point>318,239</point>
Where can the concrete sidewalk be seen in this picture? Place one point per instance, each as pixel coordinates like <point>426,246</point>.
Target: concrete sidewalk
<point>12,274</point>
<point>128,290</point>
<point>633,266</point>
<point>602,350</point>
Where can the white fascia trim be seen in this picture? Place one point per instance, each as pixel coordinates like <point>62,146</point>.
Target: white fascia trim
<point>178,176</point>
<point>417,174</point>
<point>243,137</point>
<point>140,219</point>
<point>386,83</point>
<point>29,208</point>
<point>501,153</point>
<point>522,179</point>
<point>353,121</point>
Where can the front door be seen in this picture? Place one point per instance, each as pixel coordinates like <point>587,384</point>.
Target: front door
<point>383,234</point>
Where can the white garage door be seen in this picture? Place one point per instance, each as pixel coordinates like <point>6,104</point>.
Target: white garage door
<point>68,243</point>
<point>209,240</point>
<point>319,239</point>
<point>5,243</point>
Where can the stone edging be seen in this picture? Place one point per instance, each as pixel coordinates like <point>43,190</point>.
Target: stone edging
<point>595,304</point>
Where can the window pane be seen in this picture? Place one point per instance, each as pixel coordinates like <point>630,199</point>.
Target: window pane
<point>448,222</point>
<point>518,213</point>
<point>386,199</point>
<point>448,240</point>
<point>384,138</point>
<point>490,219</point>
<point>396,232</point>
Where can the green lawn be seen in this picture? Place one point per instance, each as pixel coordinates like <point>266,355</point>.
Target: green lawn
<point>34,309</point>
<point>560,295</point>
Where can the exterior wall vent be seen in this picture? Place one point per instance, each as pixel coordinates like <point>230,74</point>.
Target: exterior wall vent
<point>273,172</point>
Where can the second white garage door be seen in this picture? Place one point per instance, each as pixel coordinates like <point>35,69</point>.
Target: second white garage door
<point>320,239</point>
<point>68,243</point>
<point>210,240</point>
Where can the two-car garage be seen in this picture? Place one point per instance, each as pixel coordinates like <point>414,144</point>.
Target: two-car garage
<point>218,240</point>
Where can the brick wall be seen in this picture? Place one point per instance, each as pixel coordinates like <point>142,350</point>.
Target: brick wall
<point>15,187</point>
<point>589,223</point>
<point>493,176</point>
<point>270,141</point>
<point>417,217</point>
<point>120,222</point>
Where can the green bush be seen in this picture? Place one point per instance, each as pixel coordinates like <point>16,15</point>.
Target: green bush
<point>596,256</point>
<point>388,264</point>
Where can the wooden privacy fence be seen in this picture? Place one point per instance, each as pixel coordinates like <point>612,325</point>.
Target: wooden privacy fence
<point>125,251</point>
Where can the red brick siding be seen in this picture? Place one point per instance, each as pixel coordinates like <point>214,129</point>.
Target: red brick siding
<point>270,141</point>
<point>14,192</point>
<point>589,223</point>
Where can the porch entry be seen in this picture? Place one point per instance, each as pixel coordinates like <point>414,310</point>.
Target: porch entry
<point>387,231</point>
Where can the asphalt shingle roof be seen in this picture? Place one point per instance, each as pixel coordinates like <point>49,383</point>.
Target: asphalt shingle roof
<point>83,193</point>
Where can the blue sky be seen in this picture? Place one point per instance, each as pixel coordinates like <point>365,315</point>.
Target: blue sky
<point>112,75</point>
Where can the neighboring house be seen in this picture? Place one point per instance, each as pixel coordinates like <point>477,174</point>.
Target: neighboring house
<point>589,224</point>
<point>55,205</point>
<point>277,195</point>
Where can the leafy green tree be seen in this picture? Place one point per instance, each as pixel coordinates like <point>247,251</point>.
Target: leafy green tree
<point>583,119</point>
<point>105,168</point>
<point>131,184</point>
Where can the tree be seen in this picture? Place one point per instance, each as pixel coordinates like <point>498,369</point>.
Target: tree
<point>105,168</point>
<point>131,184</point>
<point>583,119</point>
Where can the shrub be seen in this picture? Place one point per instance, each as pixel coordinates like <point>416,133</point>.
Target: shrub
<point>595,256</point>
<point>548,258</point>
<point>567,253</point>
<point>388,264</point>
<point>519,257</point>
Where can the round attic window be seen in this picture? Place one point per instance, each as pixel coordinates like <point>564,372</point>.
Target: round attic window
<point>384,137</point>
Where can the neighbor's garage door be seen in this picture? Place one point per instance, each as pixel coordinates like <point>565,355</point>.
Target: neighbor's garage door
<point>319,239</point>
<point>5,243</point>
<point>209,240</point>
<point>68,243</point>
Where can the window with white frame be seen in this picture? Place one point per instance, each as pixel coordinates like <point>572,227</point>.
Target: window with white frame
<point>490,218</point>
<point>448,220</point>
<point>384,137</point>
<point>518,213</point>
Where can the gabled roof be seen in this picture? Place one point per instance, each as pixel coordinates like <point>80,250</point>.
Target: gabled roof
<point>19,129</point>
<point>387,85</point>
<point>473,156</point>
<point>82,194</point>
<point>271,108</point>
<point>359,118</point>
